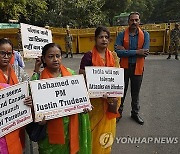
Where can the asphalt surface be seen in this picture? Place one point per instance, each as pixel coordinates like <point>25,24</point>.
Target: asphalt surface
<point>160,109</point>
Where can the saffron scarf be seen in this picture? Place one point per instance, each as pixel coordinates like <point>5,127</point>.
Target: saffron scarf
<point>12,76</point>
<point>12,139</point>
<point>109,62</point>
<point>56,127</point>
<point>139,60</point>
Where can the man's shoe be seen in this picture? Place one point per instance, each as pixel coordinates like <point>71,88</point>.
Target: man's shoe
<point>176,58</point>
<point>66,56</point>
<point>137,118</point>
<point>169,57</point>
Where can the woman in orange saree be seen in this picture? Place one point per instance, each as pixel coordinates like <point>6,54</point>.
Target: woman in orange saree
<point>102,120</point>
<point>11,143</point>
<point>69,134</point>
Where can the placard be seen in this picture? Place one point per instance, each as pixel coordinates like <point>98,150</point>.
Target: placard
<point>34,39</point>
<point>14,114</point>
<point>105,80</point>
<point>58,97</point>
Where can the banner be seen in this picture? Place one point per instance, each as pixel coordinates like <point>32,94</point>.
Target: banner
<point>58,97</point>
<point>34,39</point>
<point>14,114</point>
<point>105,80</point>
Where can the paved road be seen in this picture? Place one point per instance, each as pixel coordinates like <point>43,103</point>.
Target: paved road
<point>160,108</point>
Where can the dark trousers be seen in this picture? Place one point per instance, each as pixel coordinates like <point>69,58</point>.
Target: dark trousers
<point>135,83</point>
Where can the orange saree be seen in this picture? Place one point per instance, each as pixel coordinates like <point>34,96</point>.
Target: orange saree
<point>12,139</point>
<point>103,123</point>
<point>56,127</point>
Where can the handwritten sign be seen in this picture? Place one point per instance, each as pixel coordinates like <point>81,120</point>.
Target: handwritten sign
<point>58,97</point>
<point>105,80</point>
<point>34,39</point>
<point>14,114</point>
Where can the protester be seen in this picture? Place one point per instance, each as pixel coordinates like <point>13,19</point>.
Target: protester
<point>102,120</point>
<point>132,46</point>
<point>11,143</point>
<point>174,42</point>
<point>17,59</point>
<point>68,43</point>
<point>69,134</point>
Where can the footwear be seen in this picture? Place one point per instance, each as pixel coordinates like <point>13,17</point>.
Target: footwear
<point>137,118</point>
<point>71,55</point>
<point>169,57</point>
<point>176,57</point>
<point>66,56</point>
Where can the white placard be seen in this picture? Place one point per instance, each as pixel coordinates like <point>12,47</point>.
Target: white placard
<point>58,97</point>
<point>34,39</point>
<point>14,114</point>
<point>105,80</point>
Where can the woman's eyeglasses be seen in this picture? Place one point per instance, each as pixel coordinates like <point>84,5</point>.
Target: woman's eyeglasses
<point>4,53</point>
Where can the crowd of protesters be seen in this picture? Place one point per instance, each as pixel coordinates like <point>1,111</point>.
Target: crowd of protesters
<point>79,133</point>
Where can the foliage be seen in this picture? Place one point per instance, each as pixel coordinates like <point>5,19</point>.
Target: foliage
<point>54,13</point>
<point>11,9</point>
<point>166,11</point>
<point>86,13</point>
<point>112,8</point>
<point>144,7</point>
<point>30,11</point>
<point>76,13</point>
<point>80,13</point>
<point>35,11</point>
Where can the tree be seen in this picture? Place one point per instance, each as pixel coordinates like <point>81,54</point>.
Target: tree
<point>76,13</point>
<point>35,11</point>
<point>29,11</point>
<point>144,7</point>
<point>165,11</point>
<point>11,9</point>
<point>84,13</point>
<point>53,15</point>
<point>112,8</point>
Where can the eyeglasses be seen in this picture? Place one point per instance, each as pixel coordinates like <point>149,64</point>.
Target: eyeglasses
<point>4,53</point>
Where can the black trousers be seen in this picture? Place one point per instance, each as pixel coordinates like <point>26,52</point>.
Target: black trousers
<point>135,84</point>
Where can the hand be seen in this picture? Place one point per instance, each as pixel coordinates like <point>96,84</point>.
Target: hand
<point>38,63</point>
<point>28,101</point>
<point>86,110</point>
<point>113,100</point>
<point>113,105</point>
<point>43,122</point>
<point>142,52</point>
<point>105,96</point>
<point>147,52</point>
